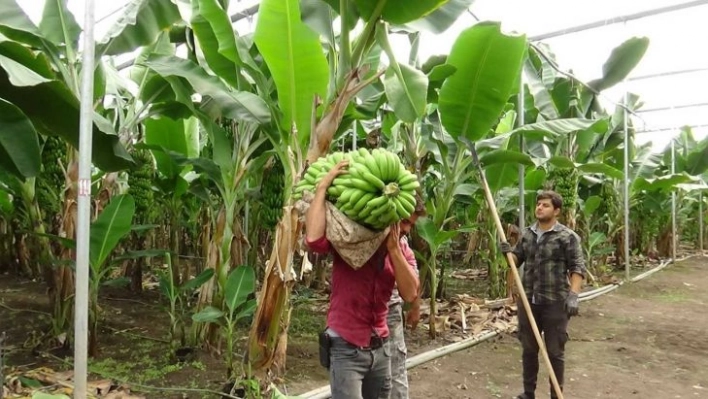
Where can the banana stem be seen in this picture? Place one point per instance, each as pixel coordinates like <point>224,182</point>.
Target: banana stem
<point>391,189</point>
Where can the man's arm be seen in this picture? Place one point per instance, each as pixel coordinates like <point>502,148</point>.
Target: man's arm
<point>517,253</point>
<point>406,278</point>
<point>315,221</point>
<point>575,263</point>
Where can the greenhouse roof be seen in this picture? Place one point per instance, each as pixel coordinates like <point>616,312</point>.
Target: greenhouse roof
<point>671,79</point>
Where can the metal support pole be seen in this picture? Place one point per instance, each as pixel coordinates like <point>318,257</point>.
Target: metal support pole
<point>673,204</point>
<point>618,19</point>
<point>667,73</point>
<point>522,188</point>
<point>83,228</point>
<point>626,191</point>
<point>700,222</point>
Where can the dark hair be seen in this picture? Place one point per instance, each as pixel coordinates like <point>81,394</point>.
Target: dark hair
<point>419,205</point>
<point>555,198</point>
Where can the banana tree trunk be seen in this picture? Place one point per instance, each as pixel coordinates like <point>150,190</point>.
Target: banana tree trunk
<point>175,245</point>
<point>268,342</point>
<point>61,289</point>
<point>39,245</point>
<point>473,242</point>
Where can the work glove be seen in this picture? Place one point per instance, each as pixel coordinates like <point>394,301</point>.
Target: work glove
<point>571,304</point>
<point>505,247</point>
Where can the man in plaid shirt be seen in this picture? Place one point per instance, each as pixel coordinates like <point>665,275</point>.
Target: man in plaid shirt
<point>554,270</point>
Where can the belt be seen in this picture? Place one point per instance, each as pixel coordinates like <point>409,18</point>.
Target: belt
<point>375,343</point>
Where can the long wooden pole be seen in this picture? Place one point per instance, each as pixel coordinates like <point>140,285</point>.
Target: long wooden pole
<point>517,279</point>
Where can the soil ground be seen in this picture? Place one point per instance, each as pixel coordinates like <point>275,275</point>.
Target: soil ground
<point>644,340</point>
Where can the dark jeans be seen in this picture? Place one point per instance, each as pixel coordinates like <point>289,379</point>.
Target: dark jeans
<point>552,321</point>
<point>399,353</point>
<point>357,373</point>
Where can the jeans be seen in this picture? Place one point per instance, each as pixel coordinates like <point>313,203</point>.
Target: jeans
<point>359,373</point>
<point>552,321</point>
<point>399,376</point>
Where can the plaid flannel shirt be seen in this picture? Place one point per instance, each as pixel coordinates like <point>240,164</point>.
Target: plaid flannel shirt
<point>549,258</point>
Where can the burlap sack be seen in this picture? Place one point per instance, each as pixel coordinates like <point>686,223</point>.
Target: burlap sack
<point>352,241</point>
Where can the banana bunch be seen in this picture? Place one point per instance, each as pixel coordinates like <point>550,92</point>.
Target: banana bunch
<point>272,195</point>
<point>50,184</point>
<point>140,182</point>
<point>376,191</point>
<point>565,183</point>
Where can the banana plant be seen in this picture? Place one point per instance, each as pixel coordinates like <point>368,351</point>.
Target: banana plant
<point>435,238</point>
<point>240,284</point>
<point>176,294</point>
<point>487,65</point>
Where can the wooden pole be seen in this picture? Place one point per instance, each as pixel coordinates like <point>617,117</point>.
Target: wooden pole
<point>517,279</point>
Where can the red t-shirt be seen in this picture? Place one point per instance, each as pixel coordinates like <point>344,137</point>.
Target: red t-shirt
<point>359,299</point>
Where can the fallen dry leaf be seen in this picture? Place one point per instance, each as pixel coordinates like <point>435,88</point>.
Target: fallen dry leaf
<point>100,387</point>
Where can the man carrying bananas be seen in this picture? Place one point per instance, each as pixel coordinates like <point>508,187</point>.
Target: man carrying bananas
<point>554,269</point>
<point>358,350</point>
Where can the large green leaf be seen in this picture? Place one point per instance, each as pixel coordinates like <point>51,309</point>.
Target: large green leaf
<point>591,204</point>
<point>663,183</point>
<point>58,24</point>
<point>598,167</point>
<point>138,72</point>
<point>697,159</point>
<point>505,156</point>
<point>6,206</point>
<point>36,61</point>
<point>54,110</point>
<point>220,23</point>
<point>558,127</point>
<point>406,87</point>
<point>222,102</point>
<point>442,18</point>
<point>19,144</point>
<point>488,64</point>
<point>16,25</point>
<point>534,179</point>
<point>109,228</point>
<point>20,75</point>
<point>319,16</point>
<point>141,23</point>
<point>209,314</point>
<point>180,136</point>
<point>240,284</point>
<point>295,58</point>
<point>432,234</point>
<point>209,45</point>
<point>501,175</point>
<point>543,101</point>
<point>398,11</point>
<point>621,62</point>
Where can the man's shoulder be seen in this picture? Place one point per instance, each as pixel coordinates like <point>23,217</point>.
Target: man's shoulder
<point>566,231</point>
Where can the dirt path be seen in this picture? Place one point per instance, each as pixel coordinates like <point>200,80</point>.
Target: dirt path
<point>645,340</point>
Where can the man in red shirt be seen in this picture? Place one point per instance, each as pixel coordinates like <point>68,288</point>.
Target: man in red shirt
<point>360,354</point>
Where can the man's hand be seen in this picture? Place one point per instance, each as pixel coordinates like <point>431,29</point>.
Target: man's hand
<point>571,304</point>
<point>413,315</point>
<point>393,241</point>
<point>338,169</point>
<point>504,247</point>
